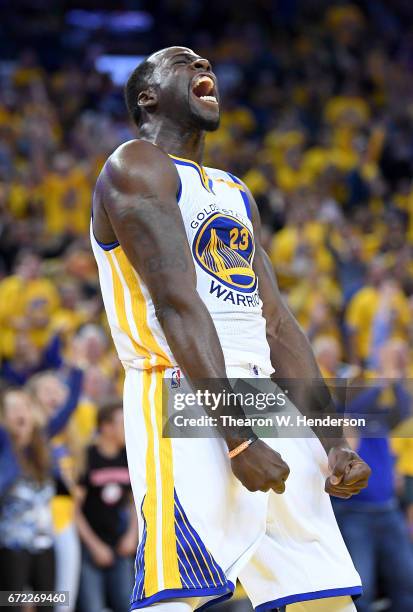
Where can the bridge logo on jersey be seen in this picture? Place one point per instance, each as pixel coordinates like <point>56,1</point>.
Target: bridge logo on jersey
<point>224,247</point>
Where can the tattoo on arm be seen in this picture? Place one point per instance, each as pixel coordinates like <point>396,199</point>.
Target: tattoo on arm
<point>174,262</point>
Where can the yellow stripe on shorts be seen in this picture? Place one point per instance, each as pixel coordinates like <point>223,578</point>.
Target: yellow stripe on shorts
<point>160,462</point>
<point>150,504</point>
<point>172,576</point>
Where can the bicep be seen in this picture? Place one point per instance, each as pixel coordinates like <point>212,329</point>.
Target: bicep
<point>148,224</point>
<point>153,237</point>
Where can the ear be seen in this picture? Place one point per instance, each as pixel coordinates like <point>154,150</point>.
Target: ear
<point>148,98</point>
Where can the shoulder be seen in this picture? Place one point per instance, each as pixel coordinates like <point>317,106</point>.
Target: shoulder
<point>366,295</point>
<point>140,151</point>
<point>138,163</point>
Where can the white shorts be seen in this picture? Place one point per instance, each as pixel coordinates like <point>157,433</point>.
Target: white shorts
<point>200,529</point>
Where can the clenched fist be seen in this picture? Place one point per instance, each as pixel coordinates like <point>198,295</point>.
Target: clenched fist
<point>260,468</point>
<point>349,473</point>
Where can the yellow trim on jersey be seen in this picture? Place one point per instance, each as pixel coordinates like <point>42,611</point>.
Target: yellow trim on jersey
<point>201,170</point>
<point>140,312</point>
<point>119,299</point>
<point>230,184</point>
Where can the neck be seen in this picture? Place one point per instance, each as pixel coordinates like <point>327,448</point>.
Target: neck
<point>175,139</point>
<point>107,446</point>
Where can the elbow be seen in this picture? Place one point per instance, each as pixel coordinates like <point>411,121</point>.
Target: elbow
<point>164,311</point>
<point>172,304</point>
<point>274,323</point>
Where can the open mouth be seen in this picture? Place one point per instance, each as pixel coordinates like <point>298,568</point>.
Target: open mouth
<point>203,88</point>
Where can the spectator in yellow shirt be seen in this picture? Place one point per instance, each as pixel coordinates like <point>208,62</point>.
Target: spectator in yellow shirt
<point>299,247</point>
<point>66,198</point>
<point>27,302</point>
<point>382,292</point>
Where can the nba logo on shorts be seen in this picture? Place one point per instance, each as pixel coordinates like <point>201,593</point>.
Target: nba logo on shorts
<point>176,379</point>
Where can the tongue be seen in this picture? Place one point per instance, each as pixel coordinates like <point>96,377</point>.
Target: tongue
<point>202,89</point>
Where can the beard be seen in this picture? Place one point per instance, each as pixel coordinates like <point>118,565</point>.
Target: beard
<point>206,121</point>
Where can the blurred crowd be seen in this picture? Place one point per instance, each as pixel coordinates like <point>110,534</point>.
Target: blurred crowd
<point>318,121</point>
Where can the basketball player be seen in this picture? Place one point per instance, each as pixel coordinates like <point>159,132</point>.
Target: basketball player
<point>190,294</point>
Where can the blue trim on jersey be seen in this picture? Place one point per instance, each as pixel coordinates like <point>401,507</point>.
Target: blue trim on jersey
<point>244,195</point>
<point>179,192</point>
<point>181,162</point>
<point>222,591</point>
<point>107,247</point>
<point>355,591</point>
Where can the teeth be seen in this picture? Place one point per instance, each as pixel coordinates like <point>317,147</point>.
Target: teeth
<point>204,79</point>
<point>209,99</point>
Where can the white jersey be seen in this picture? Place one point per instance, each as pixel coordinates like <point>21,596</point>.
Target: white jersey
<point>217,216</point>
<point>200,528</point>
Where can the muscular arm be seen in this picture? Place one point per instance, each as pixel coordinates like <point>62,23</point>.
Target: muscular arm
<point>291,355</point>
<point>137,189</point>
<point>292,359</point>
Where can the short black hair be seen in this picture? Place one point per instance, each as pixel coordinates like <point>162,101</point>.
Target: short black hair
<point>136,83</point>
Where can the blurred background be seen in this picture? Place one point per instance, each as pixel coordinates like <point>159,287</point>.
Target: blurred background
<point>318,121</point>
